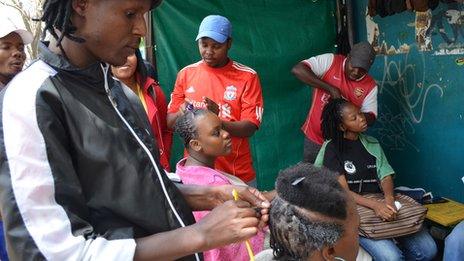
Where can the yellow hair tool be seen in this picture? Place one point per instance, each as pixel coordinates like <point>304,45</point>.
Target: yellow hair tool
<point>247,243</point>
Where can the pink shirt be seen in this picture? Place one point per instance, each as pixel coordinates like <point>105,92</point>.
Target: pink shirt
<point>207,176</point>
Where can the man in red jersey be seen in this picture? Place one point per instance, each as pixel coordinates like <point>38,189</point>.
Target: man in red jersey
<point>335,76</point>
<point>226,87</point>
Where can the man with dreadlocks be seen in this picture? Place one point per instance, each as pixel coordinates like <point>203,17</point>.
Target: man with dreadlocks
<point>335,76</point>
<point>312,217</point>
<point>79,176</point>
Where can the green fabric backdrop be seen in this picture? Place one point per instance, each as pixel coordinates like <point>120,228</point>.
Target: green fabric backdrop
<point>268,35</point>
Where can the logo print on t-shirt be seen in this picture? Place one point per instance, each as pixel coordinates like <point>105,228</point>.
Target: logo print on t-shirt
<point>190,89</point>
<point>358,92</point>
<point>349,167</point>
<point>325,99</point>
<point>230,93</point>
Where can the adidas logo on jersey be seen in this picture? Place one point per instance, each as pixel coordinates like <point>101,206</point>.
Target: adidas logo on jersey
<point>190,89</point>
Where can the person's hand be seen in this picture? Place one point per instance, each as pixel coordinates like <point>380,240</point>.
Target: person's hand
<point>335,93</point>
<point>390,202</point>
<point>384,211</point>
<point>230,222</point>
<point>183,108</point>
<point>211,105</point>
<point>249,194</point>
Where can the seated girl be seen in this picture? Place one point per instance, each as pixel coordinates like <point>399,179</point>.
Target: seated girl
<point>363,169</point>
<point>148,93</point>
<point>205,140</point>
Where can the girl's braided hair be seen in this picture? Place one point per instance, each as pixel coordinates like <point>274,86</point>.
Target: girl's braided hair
<point>185,125</point>
<point>331,121</point>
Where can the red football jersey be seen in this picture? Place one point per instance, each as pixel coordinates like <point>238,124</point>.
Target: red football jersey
<point>237,90</point>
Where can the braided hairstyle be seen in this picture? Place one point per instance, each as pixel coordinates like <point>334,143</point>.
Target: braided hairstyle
<point>307,213</point>
<point>331,120</point>
<point>185,124</point>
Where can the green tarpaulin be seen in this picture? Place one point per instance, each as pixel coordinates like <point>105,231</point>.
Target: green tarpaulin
<point>268,35</point>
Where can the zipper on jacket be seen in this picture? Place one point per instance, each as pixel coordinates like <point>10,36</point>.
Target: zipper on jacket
<point>105,69</point>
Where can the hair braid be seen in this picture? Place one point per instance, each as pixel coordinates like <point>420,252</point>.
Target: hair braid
<point>304,190</point>
<point>185,125</point>
<point>330,121</point>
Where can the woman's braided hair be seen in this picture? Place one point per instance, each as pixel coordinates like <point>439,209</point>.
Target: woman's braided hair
<point>185,125</point>
<point>331,121</point>
<point>304,189</point>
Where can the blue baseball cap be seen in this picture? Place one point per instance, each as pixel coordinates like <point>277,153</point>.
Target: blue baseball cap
<point>215,27</point>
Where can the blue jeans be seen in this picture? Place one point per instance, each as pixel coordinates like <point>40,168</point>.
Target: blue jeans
<point>454,244</point>
<point>418,246</point>
<point>3,255</point>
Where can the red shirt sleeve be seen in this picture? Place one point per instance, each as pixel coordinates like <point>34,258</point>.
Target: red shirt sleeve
<point>252,101</point>
<point>177,95</point>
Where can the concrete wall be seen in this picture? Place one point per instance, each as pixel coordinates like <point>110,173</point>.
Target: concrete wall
<point>421,104</point>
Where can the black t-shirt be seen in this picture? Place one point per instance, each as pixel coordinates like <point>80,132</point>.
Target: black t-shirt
<point>356,164</point>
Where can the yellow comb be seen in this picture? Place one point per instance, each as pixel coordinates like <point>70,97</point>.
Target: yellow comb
<point>247,243</point>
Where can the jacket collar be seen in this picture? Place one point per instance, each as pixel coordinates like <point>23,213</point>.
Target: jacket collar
<point>148,82</point>
<point>92,74</point>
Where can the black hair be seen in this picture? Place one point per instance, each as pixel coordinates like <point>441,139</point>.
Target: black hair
<point>303,189</point>
<point>185,124</point>
<point>331,119</point>
<point>57,15</point>
<point>319,191</point>
<point>141,68</point>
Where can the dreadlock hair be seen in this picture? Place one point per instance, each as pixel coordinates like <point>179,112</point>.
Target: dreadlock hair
<point>303,190</point>
<point>185,125</point>
<point>331,120</point>
<point>57,15</point>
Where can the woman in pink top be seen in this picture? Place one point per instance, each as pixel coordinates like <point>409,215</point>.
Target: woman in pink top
<point>205,140</point>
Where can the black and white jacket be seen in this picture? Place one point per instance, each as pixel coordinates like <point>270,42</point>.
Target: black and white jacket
<point>79,178</point>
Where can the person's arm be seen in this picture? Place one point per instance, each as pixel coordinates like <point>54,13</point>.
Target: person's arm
<point>209,197</point>
<point>370,107</point>
<point>382,210</point>
<point>176,106</point>
<point>305,73</point>
<point>172,116</point>
<point>231,222</point>
<point>251,111</point>
<point>242,129</point>
<point>389,194</point>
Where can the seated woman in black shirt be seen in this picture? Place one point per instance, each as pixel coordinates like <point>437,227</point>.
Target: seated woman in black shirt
<point>363,168</point>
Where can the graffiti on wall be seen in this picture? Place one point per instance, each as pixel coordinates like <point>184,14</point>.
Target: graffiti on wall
<point>404,83</point>
<point>440,31</point>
